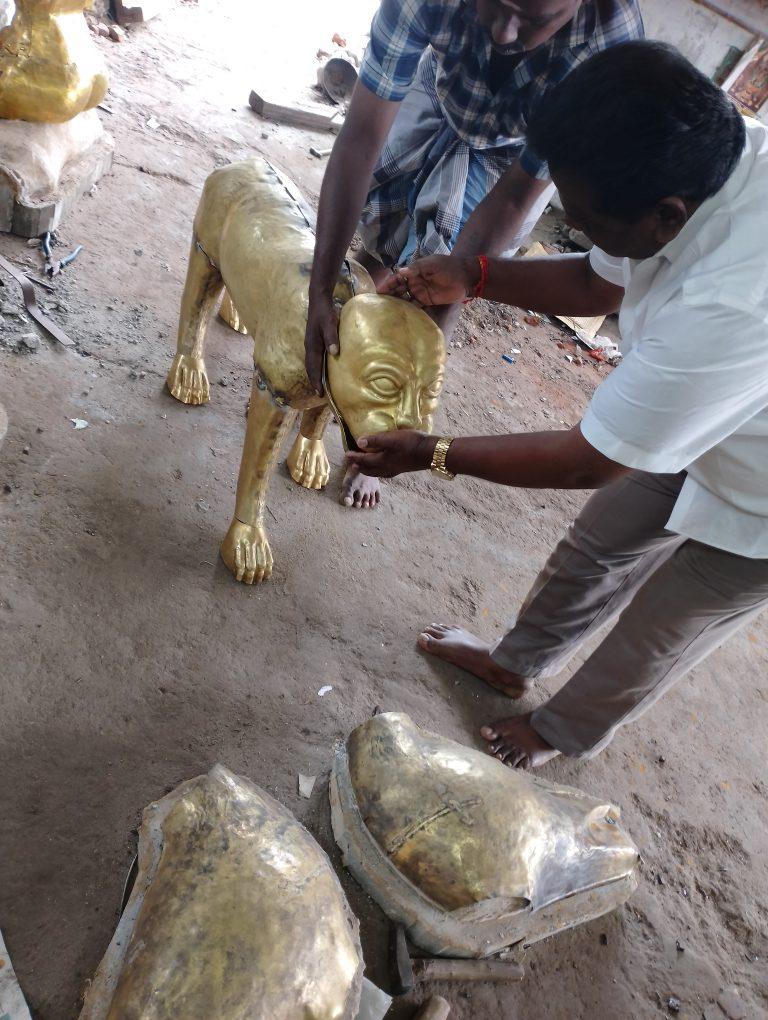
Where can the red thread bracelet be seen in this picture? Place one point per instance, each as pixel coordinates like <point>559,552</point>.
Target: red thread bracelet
<point>480,285</point>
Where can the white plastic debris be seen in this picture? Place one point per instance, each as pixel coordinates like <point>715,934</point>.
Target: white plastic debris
<point>12,1004</point>
<point>7,14</point>
<point>374,1004</point>
<point>515,350</point>
<point>79,423</point>
<point>325,689</point>
<point>306,785</point>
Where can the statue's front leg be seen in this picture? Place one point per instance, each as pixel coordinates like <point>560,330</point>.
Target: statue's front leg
<point>187,379</point>
<point>245,548</point>
<point>307,461</point>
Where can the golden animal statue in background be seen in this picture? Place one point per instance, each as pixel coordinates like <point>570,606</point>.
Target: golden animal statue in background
<point>235,912</point>
<point>253,234</point>
<point>50,68</point>
<point>470,856</point>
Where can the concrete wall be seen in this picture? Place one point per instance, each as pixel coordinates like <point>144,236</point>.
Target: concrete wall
<point>701,35</point>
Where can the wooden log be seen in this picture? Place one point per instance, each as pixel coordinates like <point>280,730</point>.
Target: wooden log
<point>439,969</point>
<point>297,116</point>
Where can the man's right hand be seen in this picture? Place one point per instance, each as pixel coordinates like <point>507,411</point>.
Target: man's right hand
<point>322,335</point>
<point>434,280</point>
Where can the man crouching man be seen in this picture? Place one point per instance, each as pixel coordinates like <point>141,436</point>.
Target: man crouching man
<point>661,172</point>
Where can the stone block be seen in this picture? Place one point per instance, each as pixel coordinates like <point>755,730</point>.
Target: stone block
<point>128,12</point>
<point>46,168</point>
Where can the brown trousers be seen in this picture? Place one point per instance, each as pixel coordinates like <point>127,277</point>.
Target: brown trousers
<point>673,601</point>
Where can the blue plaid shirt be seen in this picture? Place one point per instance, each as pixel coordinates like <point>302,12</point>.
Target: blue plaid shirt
<point>403,29</point>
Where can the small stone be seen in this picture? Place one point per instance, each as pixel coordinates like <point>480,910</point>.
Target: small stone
<point>661,759</point>
<point>659,880</point>
<point>679,946</point>
<point>40,428</point>
<point>673,1004</point>
<point>223,382</point>
<point>31,341</point>
<point>603,939</point>
<point>265,134</point>
<point>26,450</point>
<point>7,487</point>
<point>712,1013</point>
<point>138,251</point>
<point>117,34</point>
<point>202,506</point>
<point>103,30</point>
<point>730,1002</point>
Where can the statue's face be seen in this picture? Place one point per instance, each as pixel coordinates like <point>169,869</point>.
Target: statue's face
<point>389,372</point>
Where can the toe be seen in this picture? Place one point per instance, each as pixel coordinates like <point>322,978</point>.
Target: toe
<point>489,733</point>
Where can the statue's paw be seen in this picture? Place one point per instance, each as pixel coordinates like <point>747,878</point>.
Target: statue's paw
<point>246,552</point>
<point>188,380</point>
<point>308,463</point>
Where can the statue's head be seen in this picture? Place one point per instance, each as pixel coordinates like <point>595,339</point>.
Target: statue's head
<point>477,855</point>
<point>389,372</point>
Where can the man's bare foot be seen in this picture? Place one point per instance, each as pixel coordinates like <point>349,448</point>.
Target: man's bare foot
<point>516,743</point>
<point>465,650</point>
<point>359,490</point>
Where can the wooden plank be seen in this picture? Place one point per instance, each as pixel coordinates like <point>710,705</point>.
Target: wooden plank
<point>296,116</point>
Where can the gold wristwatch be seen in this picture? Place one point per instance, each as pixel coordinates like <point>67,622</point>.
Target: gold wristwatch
<point>438,459</point>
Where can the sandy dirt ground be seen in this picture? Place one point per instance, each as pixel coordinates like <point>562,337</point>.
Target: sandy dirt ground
<point>130,660</point>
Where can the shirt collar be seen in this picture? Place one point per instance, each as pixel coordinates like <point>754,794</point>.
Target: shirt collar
<point>674,248</point>
<point>580,28</point>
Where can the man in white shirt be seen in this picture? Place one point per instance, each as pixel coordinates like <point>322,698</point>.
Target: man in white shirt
<point>657,167</point>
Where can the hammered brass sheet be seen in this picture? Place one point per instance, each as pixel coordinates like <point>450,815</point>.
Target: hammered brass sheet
<point>50,68</point>
<point>244,919</point>
<point>389,372</point>
<point>253,235</point>
<point>464,828</point>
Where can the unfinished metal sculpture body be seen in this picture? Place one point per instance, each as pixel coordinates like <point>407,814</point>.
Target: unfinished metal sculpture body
<point>236,914</point>
<point>50,68</point>
<point>253,234</point>
<point>470,855</point>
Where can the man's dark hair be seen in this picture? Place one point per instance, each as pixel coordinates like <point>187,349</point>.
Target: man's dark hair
<point>638,123</point>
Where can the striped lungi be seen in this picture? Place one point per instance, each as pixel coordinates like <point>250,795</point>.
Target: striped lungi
<point>428,181</point>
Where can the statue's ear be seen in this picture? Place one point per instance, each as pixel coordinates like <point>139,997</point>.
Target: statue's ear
<point>347,439</point>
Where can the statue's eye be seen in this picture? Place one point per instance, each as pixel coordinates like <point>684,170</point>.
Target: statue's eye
<point>432,392</point>
<point>384,386</point>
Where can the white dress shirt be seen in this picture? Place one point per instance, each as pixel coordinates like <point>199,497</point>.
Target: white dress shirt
<point>692,390</point>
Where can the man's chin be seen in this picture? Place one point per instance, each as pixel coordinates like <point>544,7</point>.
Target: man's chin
<point>508,51</point>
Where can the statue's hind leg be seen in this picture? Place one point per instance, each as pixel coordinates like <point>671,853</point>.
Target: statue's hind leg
<point>307,461</point>
<point>187,379</point>
<point>245,548</point>
<point>229,314</point>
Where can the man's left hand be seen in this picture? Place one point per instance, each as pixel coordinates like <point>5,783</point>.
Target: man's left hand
<point>392,453</point>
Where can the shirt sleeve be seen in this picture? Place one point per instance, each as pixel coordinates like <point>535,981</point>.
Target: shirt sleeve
<point>534,166</point>
<point>399,36</point>
<point>698,376</point>
<point>609,267</point>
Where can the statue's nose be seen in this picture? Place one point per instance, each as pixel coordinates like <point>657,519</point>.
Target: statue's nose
<point>408,413</point>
